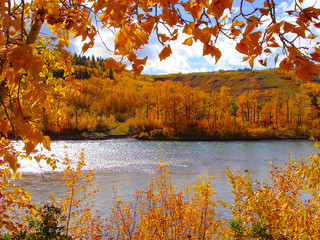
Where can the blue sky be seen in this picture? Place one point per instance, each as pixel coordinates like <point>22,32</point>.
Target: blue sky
<point>188,59</point>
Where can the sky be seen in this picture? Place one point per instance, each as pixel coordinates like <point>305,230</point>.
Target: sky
<point>185,59</point>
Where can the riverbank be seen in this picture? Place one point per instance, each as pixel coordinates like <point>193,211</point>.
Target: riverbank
<point>107,136</point>
<point>89,136</point>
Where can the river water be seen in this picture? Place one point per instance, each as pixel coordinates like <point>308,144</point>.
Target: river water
<point>127,165</point>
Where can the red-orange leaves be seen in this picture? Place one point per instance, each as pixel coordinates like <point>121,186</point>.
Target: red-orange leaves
<point>252,23</point>
<point>193,8</point>
<point>212,50</point>
<point>249,45</point>
<point>242,47</point>
<point>217,7</point>
<point>110,63</point>
<point>316,55</point>
<point>148,25</point>
<point>86,46</point>
<point>137,67</point>
<point>4,127</point>
<point>305,70</point>
<point>264,11</point>
<point>166,52</point>
<point>287,27</point>
<point>11,160</point>
<point>286,64</point>
<point>22,57</point>
<point>204,35</point>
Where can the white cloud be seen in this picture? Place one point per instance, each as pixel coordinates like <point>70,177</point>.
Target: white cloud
<point>99,50</point>
<point>189,59</point>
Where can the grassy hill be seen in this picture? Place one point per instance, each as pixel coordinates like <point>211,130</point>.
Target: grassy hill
<point>238,81</point>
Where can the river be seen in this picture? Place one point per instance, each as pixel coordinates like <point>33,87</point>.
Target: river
<point>127,165</point>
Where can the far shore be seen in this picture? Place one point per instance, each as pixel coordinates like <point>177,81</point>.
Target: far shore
<point>104,136</point>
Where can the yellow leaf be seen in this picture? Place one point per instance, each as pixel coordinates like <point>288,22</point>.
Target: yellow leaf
<point>166,52</point>
<point>312,36</point>
<point>46,142</point>
<point>152,3</point>
<point>188,28</point>
<point>188,41</point>
<point>251,61</point>
<point>237,23</point>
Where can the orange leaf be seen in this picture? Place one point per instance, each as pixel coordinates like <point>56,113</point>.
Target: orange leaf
<point>148,25</point>
<point>137,69</point>
<point>110,63</point>
<point>287,27</point>
<point>315,56</point>
<point>11,160</point>
<point>86,46</point>
<point>276,59</point>
<point>46,142</point>
<point>274,28</point>
<point>242,48</point>
<point>286,64</point>
<point>4,127</point>
<point>305,70</point>
<point>273,44</point>
<point>254,37</point>
<point>212,50</point>
<point>29,147</point>
<point>166,52</point>
<point>188,28</point>
<point>251,25</point>
<point>299,31</point>
<point>163,37</point>
<point>264,11</point>
<point>263,62</point>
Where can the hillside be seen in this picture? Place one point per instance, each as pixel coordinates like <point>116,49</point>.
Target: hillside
<point>238,81</point>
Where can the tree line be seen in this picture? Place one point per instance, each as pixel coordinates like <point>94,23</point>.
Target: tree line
<point>166,109</point>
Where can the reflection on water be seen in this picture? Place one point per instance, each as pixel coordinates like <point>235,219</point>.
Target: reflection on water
<point>126,165</point>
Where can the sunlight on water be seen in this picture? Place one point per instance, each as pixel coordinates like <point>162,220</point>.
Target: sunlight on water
<point>127,164</point>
